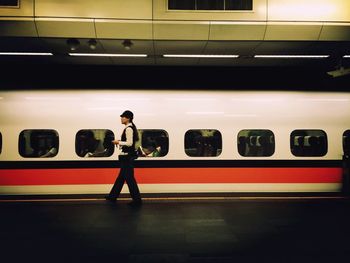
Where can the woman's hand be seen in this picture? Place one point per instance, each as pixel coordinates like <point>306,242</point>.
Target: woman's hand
<point>116,142</point>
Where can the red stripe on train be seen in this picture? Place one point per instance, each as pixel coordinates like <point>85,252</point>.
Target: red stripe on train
<point>171,175</point>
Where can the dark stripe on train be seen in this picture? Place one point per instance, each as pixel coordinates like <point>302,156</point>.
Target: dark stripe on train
<point>169,164</point>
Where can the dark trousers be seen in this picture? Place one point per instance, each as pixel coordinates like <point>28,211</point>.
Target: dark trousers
<point>126,174</point>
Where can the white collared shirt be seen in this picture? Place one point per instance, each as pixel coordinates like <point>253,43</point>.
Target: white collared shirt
<point>129,137</point>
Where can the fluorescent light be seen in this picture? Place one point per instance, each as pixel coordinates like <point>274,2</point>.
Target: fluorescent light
<point>25,54</point>
<point>107,55</point>
<point>346,56</point>
<point>291,56</point>
<point>199,56</point>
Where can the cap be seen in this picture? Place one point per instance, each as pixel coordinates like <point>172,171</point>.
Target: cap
<point>127,114</point>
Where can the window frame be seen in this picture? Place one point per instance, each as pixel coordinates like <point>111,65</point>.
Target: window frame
<point>98,154</point>
<point>192,156</point>
<point>140,139</point>
<point>255,130</point>
<point>20,138</point>
<point>291,142</point>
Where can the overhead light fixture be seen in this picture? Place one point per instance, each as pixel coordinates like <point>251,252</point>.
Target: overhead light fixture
<point>127,44</point>
<point>107,55</point>
<point>25,54</point>
<point>198,56</point>
<point>92,44</point>
<point>346,56</point>
<point>73,44</point>
<point>291,56</point>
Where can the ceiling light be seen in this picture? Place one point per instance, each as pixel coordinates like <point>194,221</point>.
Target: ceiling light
<point>346,56</point>
<point>291,56</point>
<point>25,54</point>
<point>92,44</point>
<point>107,55</point>
<point>73,44</point>
<point>127,44</point>
<point>199,56</point>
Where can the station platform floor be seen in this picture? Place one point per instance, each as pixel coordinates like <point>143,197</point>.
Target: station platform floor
<point>203,230</point>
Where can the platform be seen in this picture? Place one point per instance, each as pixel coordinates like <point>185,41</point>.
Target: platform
<point>174,230</point>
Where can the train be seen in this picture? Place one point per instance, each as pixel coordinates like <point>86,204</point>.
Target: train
<point>55,142</point>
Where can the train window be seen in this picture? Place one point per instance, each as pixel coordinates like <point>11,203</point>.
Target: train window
<point>346,142</point>
<point>238,4</point>
<point>9,3</point>
<point>38,143</point>
<point>153,143</point>
<point>0,142</point>
<point>256,143</point>
<point>94,143</point>
<point>308,143</point>
<point>210,5</point>
<point>203,143</point>
<point>181,4</point>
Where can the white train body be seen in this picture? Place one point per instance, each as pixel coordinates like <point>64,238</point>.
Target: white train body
<point>176,112</point>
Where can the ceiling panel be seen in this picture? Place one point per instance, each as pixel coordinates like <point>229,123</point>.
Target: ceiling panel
<point>59,45</point>
<point>21,27</point>
<point>179,47</point>
<point>293,31</point>
<point>123,29</point>
<point>137,47</point>
<point>65,27</point>
<point>237,31</point>
<point>335,32</point>
<point>155,50</point>
<point>180,30</point>
<point>137,9</point>
<point>26,9</point>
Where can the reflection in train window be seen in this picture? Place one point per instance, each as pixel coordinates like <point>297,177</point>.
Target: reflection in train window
<point>153,143</point>
<point>38,143</point>
<point>94,143</point>
<point>256,143</point>
<point>0,142</point>
<point>308,143</point>
<point>203,143</point>
<point>346,142</point>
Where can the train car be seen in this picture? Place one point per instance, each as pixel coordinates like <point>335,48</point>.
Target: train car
<point>59,141</point>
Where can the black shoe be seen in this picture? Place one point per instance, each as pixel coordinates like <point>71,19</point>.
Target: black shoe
<point>110,199</point>
<point>135,204</point>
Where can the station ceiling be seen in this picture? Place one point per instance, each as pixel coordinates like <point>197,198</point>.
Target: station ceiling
<point>88,32</point>
<point>154,51</point>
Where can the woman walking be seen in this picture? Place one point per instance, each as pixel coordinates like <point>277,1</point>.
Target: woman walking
<point>126,159</point>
